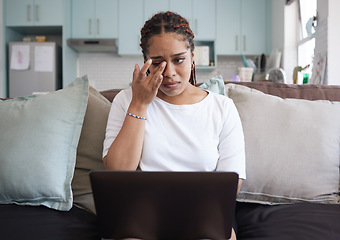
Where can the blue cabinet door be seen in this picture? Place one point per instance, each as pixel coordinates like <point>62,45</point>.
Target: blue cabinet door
<point>228,27</point>
<point>94,18</point>
<point>34,12</point>
<point>19,12</point>
<point>152,7</point>
<point>106,19</point>
<point>204,19</point>
<point>131,21</point>
<point>83,19</point>
<point>184,8</point>
<point>48,12</point>
<point>254,27</point>
<point>242,27</point>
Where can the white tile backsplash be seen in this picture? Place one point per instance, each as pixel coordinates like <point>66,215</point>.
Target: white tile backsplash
<point>109,70</point>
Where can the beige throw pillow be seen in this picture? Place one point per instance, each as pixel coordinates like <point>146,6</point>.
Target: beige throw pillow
<point>90,148</point>
<point>292,148</point>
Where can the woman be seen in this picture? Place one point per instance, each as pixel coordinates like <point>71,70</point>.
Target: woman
<point>164,122</point>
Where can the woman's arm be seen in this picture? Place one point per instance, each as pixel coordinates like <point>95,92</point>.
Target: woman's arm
<point>239,185</point>
<point>125,151</point>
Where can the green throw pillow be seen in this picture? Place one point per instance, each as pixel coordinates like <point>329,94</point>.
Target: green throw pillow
<point>214,84</point>
<point>38,145</point>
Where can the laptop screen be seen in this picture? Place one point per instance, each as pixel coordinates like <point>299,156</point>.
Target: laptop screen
<point>164,205</point>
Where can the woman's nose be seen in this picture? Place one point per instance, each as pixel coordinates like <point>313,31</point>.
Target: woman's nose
<point>169,70</point>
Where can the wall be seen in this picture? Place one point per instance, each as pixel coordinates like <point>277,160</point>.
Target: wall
<point>277,21</point>
<point>321,33</point>
<point>2,91</point>
<point>108,70</point>
<point>327,38</point>
<point>333,35</point>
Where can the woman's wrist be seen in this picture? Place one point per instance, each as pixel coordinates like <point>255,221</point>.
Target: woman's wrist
<point>138,109</point>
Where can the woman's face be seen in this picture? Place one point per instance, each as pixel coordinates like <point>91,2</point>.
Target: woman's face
<point>174,50</point>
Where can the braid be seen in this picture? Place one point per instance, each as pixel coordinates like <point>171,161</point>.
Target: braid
<point>168,22</point>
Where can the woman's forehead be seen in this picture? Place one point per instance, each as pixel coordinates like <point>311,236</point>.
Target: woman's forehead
<point>167,43</point>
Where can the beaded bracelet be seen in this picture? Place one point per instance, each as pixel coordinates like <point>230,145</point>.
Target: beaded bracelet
<point>133,115</point>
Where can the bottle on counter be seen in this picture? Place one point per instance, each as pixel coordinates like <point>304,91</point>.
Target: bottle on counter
<point>298,71</point>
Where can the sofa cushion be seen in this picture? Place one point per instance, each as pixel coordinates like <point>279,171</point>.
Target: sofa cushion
<point>287,221</point>
<point>90,148</point>
<point>292,147</point>
<point>38,146</point>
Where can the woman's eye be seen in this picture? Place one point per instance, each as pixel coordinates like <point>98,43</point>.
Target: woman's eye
<point>179,60</point>
<point>156,63</point>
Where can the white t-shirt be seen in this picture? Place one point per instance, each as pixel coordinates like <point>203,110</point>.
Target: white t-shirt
<point>205,136</point>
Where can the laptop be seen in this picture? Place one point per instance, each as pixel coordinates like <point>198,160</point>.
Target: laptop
<point>164,205</point>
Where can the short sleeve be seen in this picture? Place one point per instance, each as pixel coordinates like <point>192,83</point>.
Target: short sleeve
<point>116,118</point>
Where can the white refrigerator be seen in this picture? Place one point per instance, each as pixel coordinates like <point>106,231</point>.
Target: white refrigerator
<point>34,68</point>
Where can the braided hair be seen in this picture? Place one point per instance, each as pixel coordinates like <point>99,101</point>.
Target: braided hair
<point>168,22</point>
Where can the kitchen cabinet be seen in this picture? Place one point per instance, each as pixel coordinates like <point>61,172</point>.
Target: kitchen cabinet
<point>34,13</point>
<point>129,26</point>
<point>152,7</point>
<point>94,19</point>
<point>184,8</point>
<point>204,19</point>
<point>201,15</point>
<point>242,27</point>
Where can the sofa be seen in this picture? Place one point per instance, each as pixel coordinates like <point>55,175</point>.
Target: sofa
<point>50,143</point>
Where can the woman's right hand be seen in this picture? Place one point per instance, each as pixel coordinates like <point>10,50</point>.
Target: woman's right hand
<point>125,151</point>
<point>145,88</point>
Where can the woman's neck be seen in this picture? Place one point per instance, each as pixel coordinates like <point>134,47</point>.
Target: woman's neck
<point>190,95</point>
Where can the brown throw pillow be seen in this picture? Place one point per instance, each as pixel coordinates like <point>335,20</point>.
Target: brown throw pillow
<point>90,148</point>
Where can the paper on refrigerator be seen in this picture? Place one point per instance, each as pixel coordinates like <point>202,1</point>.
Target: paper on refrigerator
<point>20,57</point>
<point>43,59</point>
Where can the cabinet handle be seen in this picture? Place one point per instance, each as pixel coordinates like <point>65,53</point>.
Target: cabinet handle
<point>98,23</point>
<point>37,13</point>
<point>236,43</point>
<point>28,13</point>
<point>244,43</point>
<point>90,26</point>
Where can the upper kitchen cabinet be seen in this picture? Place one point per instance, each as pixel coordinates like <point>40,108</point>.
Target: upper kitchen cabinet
<point>129,26</point>
<point>94,19</point>
<point>242,27</point>
<point>152,7</point>
<point>254,26</point>
<point>201,15</point>
<point>184,8</point>
<point>203,21</point>
<point>20,13</point>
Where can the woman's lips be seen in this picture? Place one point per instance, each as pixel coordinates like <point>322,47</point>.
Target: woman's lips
<point>171,84</point>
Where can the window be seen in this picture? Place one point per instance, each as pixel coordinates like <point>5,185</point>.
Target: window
<point>306,45</point>
<point>307,17</point>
